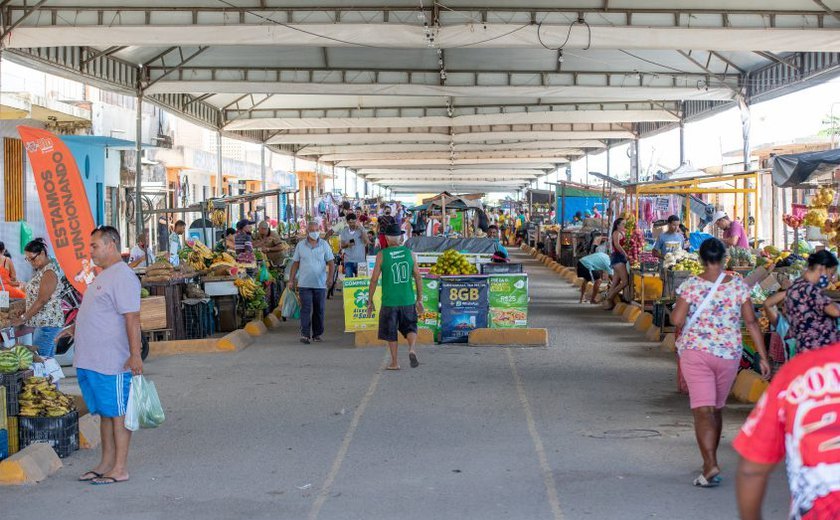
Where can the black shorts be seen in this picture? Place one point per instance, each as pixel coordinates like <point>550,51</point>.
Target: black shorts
<point>397,319</point>
<point>617,258</point>
<point>586,274</point>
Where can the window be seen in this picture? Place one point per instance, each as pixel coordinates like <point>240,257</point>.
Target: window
<point>13,178</point>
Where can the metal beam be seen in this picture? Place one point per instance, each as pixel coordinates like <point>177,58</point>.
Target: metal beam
<point>177,67</point>
<point>26,14</point>
<point>827,9</point>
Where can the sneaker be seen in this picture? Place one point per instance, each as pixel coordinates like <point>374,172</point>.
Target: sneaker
<point>304,340</point>
<point>317,339</point>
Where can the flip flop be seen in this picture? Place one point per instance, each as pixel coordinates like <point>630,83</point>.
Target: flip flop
<point>105,481</point>
<point>702,481</point>
<point>413,359</point>
<point>392,368</point>
<point>95,476</point>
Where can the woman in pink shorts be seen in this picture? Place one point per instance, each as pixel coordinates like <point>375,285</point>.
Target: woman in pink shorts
<point>709,310</point>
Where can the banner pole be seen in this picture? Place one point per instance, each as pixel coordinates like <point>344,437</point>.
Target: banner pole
<point>138,181</point>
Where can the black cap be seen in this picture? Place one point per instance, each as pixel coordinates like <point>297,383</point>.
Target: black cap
<point>393,230</point>
<point>244,222</point>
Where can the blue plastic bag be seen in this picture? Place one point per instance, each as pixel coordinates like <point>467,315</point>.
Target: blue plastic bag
<point>290,305</point>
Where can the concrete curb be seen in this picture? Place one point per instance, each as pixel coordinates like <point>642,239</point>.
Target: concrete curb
<point>369,338</point>
<point>271,321</point>
<point>669,343</point>
<point>653,333</point>
<point>235,341</point>
<point>256,328</point>
<point>89,434</point>
<point>619,308</point>
<point>30,465</point>
<point>631,314</point>
<point>185,346</point>
<point>643,322</point>
<point>509,337</point>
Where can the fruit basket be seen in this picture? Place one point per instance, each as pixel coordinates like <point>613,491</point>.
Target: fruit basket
<point>62,433</point>
<point>14,383</point>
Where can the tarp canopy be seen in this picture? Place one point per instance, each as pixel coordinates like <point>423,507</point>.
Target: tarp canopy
<point>441,244</point>
<point>539,196</point>
<point>453,202</point>
<point>804,169</point>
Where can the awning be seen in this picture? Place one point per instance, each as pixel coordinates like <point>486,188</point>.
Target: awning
<point>803,169</point>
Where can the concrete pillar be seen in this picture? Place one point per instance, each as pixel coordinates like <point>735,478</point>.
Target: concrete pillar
<point>682,133</point>
<point>219,177</point>
<point>637,163</point>
<point>138,181</point>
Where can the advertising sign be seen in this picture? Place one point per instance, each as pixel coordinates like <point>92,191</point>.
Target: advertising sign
<point>431,306</point>
<point>64,203</point>
<point>508,301</point>
<point>463,307</point>
<point>356,293</point>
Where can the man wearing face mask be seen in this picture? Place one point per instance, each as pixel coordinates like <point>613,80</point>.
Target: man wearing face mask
<point>312,259</point>
<point>811,313</point>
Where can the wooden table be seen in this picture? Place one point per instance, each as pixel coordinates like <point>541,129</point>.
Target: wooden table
<point>173,290</point>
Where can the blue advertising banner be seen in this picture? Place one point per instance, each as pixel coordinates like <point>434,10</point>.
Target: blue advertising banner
<point>464,306</point>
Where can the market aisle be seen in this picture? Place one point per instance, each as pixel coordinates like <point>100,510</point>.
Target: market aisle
<point>620,439</point>
<point>256,434</point>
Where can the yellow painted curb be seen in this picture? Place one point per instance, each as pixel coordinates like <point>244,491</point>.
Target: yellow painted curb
<point>619,309</point>
<point>643,322</point>
<point>509,337</point>
<point>236,340</point>
<point>256,328</point>
<point>89,435</point>
<point>185,346</point>
<point>271,321</point>
<point>653,333</point>
<point>369,338</point>
<point>32,464</point>
<point>631,314</point>
<point>278,312</point>
<point>669,343</point>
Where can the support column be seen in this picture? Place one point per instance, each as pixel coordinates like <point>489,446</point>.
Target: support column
<point>745,130</point>
<point>345,182</point>
<point>608,162</point>
<point>682,133</point>
<point>637,165</point>
<point>138,180</point>
<point>262,168</point>
<point>219,177</point>
<point>586,165</point>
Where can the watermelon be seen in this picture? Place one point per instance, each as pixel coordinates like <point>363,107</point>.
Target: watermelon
<point>24,356</point>
<point>8,362</point>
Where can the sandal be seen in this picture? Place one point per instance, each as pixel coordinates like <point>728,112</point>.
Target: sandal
<point>393,368</point>
<point>95,476</point>
<point>105,481</point>
<point>702,481</point>
<point>412,357</point>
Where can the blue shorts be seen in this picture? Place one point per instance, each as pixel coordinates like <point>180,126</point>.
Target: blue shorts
<point>104,395</point>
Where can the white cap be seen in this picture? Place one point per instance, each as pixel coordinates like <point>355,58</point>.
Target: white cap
<point>717,216</point>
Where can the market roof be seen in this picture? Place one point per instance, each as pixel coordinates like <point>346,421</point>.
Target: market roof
<point>425,96</point>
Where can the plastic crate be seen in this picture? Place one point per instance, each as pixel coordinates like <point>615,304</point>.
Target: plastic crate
<point>4,444</point>
<point>14,435</point>
<point>62,433</point>
<point>14,384</point>
<point>199,318</point>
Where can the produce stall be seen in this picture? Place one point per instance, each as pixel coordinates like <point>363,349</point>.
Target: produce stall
<point>32,408</point>
<point>456,299</point>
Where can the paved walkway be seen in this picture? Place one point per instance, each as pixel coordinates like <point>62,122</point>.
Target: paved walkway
<point>588,428</point>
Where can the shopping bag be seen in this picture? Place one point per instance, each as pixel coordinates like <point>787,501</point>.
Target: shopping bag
<point>26,235</point>
<point>290,306</point>
<point>144,408</point>
<point>264,275</point>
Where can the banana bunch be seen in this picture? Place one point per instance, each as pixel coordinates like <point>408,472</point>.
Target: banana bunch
<point>223,259</point>
<point>218,218</point>
<point>41,398</point>
<point>823,198</point>
<point>247,287</point>
<point>197,255</point>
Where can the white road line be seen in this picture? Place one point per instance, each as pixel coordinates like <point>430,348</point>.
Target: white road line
<point>548,476</point>
<point>345,444</point>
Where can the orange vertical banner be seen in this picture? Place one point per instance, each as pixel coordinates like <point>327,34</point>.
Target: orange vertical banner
<point>64,203</point>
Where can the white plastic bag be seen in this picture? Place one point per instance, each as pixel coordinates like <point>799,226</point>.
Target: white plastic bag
<point>132,413</point>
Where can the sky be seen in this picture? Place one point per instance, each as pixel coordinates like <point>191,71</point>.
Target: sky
<point>789,118</point>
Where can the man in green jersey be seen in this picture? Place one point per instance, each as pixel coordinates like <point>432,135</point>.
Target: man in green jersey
<point>401,303</point>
